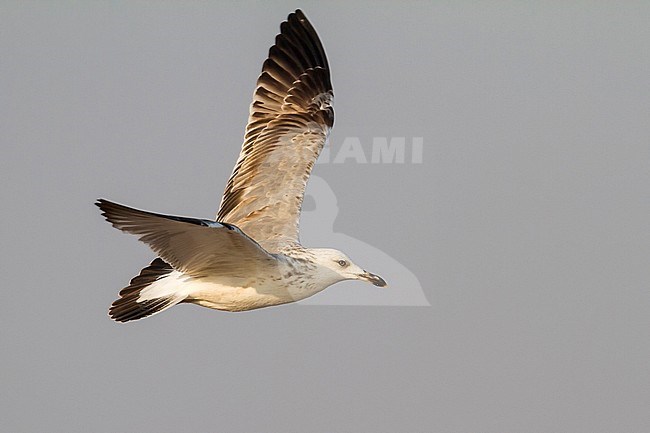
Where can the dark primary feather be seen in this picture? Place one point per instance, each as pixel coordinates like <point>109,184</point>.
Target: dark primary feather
<point>157,268</point>
<point>127,307</point>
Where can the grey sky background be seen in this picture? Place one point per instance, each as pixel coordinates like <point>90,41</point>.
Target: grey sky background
<point>526,224</point>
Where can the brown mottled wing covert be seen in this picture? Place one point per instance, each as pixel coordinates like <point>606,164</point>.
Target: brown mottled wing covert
<point>290,119</point>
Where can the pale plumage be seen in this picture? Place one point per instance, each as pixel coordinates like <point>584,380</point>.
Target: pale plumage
<point>250,257</point>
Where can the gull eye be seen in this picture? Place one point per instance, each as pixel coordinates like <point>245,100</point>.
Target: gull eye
<point>342,263</point>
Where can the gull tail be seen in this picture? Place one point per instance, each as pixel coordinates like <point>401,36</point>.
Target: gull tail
<point>143,297</point>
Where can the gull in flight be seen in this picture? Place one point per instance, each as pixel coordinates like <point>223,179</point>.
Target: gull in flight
<point>250,256</point>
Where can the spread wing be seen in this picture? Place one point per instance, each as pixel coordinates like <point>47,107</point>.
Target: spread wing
<point>290,119</point>
<point>195,247</point>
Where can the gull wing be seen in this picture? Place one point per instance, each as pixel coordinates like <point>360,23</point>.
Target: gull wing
<point>290,119</point>
<point>195,247</point>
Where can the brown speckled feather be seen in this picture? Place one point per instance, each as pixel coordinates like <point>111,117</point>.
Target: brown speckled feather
<point>290,119</point>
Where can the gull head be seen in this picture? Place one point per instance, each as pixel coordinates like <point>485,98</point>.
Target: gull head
<point>334,266</point>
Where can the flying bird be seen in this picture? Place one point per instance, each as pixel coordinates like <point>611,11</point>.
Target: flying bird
<point>250,256</point>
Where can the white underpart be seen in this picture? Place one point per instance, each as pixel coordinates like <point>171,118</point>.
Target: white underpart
<point>174,284</point>
<point>254,291</point>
